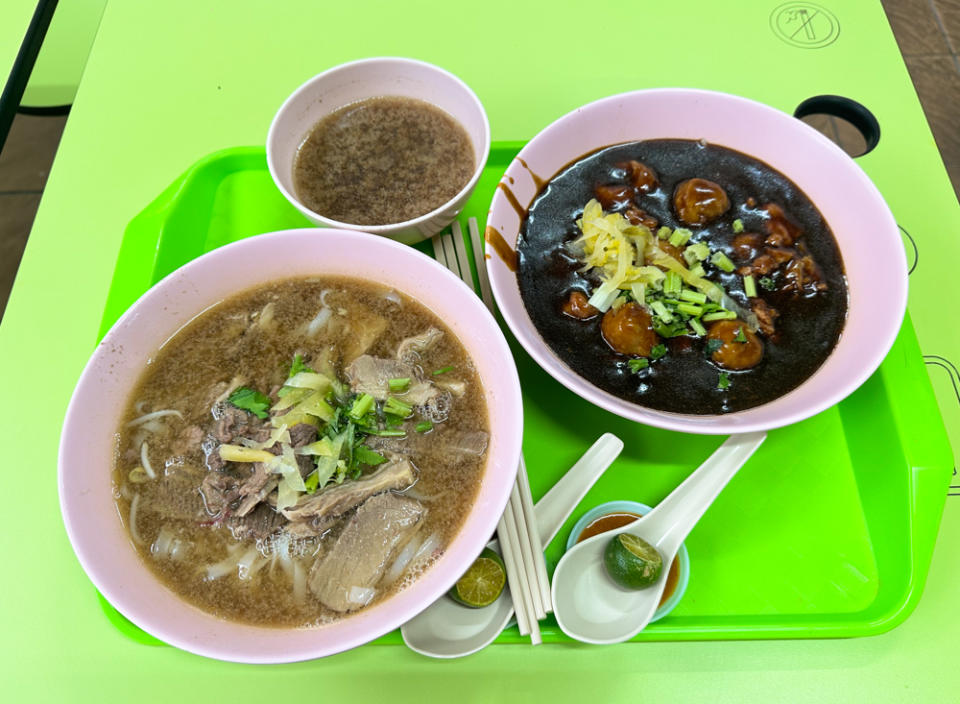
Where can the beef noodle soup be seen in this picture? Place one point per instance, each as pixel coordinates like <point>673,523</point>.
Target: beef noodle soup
<point>301,451</point>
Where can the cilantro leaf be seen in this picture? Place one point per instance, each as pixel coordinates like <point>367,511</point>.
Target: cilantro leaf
<point>740,336</point>
<point>251,400</point>
<point>658,351</point>
<point>723,383</point>
<point>637,365</point>
<point>713,344</point>
<point>364,455</point>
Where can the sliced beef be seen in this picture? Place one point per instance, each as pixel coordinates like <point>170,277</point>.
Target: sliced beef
<point>452,444</point>
<point>311,527</point>
<point>397,474</point>
<point>234,423</point>
<point>256,487</point>
<point>258,524</point>
<point>467,442</point>
<point>371,375</point>
<point>218,491</point>
<point>410,349</point>
<point>302,434</point>
<point>345,578</point>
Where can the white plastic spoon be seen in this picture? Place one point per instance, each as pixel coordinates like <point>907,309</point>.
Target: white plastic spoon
<point>446,629</point>
<point>588,605</point>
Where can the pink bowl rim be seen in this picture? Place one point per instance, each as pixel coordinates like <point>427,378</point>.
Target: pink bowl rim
<point>750,420</point>
<point>226,640</point>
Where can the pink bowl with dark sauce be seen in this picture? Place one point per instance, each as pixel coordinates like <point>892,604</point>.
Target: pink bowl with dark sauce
<point>864,229</point>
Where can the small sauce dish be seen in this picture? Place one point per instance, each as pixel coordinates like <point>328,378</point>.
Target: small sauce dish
<point>614,514</point>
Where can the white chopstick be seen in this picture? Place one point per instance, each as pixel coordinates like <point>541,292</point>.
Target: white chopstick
<point>513,528</point>
<point>539,561</point>
<point>535,562</point>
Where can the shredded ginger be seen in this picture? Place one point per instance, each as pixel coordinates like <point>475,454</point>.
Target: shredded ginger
<point>623,256</point>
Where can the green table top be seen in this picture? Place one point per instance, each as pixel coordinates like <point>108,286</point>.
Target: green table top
<point>167,83</point>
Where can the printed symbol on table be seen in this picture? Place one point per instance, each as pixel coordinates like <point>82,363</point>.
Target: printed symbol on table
<point>805,25</point>
<point>913,254</point>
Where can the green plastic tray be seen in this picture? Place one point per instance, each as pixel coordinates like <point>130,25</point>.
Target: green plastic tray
<point>826,532</point>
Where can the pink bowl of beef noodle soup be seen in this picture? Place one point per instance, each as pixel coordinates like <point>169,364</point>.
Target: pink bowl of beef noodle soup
<point>290,446</point>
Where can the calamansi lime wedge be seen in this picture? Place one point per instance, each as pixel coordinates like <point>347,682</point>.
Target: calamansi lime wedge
<point>482,583</point>
<point>632,562</point>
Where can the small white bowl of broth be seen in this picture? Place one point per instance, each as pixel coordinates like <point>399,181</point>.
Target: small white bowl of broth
<point>389,146</point>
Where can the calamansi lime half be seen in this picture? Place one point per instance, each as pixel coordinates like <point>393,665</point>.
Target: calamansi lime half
<point>632,562</point>
<point>482,583</point>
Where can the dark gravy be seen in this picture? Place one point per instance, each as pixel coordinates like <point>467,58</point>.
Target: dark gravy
<point>685,380</point>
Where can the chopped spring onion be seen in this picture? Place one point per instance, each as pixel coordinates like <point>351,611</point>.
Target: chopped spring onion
<point>619,301</point>
<point>672,284</point>
<point>424,426</point>
<point>397,407</point>
<point>297,366</point>
<point>637,365</point>
<point>398,385</point>
<point>442,370</point>
<point>680,237</point>
<point>723,382</point>
<point>722,262</point>
<point>693,296</point>
<point>239,453</point>
<point>749,286</point>
<point>664,233</point>
<point>720,315</point>
<point>385,433</point>
<point>698,270</point>
<point>661,310</point>
<point>698,327</point>
<point>738,226</point>
<point>696,253</point>
<point>689,309</point>
<point>362,405</point>
<point>767,283</point>
<point>658,351</point>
